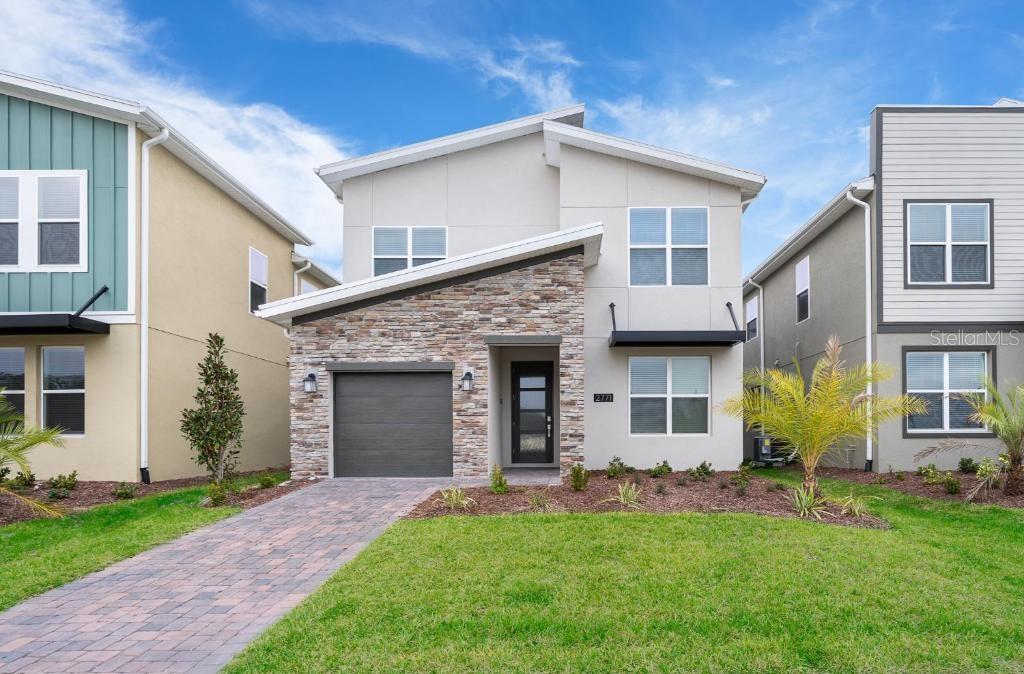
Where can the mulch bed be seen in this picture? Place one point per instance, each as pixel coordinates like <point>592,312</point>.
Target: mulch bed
<point>92,493</point>
<point>914,484</point>
<point>691,496</point>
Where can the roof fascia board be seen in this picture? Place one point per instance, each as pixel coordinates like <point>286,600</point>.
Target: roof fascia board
<point>555,132</point>
<point>315,270</point>
<point>832,211</point>
<point>335,173</point>
<point>589,236</point>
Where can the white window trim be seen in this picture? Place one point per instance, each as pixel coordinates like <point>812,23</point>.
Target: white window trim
<point>43,391</point>
<point>668,246</point>
<point>800,289</point>
<point>408,257</point>
<point>948,244</point>
<point>23,371</point>
<point>28,221</point>
<point>946,393</point>
<point>667,396</point>
<point>266,286</point>
<point>752,315</point>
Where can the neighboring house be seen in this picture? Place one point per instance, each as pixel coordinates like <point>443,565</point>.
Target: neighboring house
<point>531,293</point>
<point>111,280</point>
<point>938,292</point>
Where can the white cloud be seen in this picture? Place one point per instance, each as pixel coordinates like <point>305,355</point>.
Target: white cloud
<point>719,82</point>
<point>539,67</point>
<point>97,45</point>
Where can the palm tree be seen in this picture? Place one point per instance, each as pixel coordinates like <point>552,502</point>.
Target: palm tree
<point>811,420</point>
<point>15,443</point>
<point>1003,414</point>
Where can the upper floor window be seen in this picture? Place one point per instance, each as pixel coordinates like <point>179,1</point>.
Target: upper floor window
<point>751,315</point>
<point>12,376</point>
<point>396,248</point>
<point>939,378</point>
<point>669,395</point>
<point>43,221</point>
<point>949,243</point>
<point>803,289</point>
<point>306,287</point>
<point>668,246</point>
<point>64,388</point>
<point>258,279</point>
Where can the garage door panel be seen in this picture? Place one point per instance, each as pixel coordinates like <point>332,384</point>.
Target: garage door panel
<point>393,424</point>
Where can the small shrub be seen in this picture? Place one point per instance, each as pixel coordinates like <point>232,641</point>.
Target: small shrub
<point>628,496</point>
<point>930,474</point>
<point>499,483</point>
<point>660,470</point>
<point>661,489</point>
<point>742,477</point>
<point>741,490</point>
<point>880,479</point>
<point>776,486</point>
<point>65,482</point>
<point>58,493</point>
<point>807,503</point>
<point>854,505</point>
<point>617,467</point>
<point>578,477</point>
<point>702,472</point>
<point>682,481</point>
<point>454,498</point>
<point>723,483</point>
<point>900,476</point>
<point>24,480</point>
<point>539,502</point>
<point>267,481</point>
<point>968,465</point>
<point>4,472</point>
<point>988,478</point>
<point>951,483</point>
<point>124,491</point>
<point>639,478</point>
<point>217,492</point>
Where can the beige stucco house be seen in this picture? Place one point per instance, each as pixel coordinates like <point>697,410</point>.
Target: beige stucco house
<point>122,245</point>
<point>528,294</point>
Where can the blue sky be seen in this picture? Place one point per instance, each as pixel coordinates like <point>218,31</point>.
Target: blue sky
<point>271,89</point>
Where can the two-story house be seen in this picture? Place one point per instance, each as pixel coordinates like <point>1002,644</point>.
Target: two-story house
<point>918,266</point>
<point>530,294</point>
<point>122,245</point>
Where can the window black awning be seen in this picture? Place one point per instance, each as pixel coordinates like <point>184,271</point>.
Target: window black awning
<point>675,337</point>
<point>51,324</point>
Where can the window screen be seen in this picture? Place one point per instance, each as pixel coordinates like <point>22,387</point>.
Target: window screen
<point>63,388</point>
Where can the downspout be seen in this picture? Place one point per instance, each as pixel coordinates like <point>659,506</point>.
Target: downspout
<point>295,276</point>
<point>144,305</point>
<point>869,446</point>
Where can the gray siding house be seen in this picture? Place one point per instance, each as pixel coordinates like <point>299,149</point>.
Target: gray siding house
<point>531,294</point>
<point>925,274</point>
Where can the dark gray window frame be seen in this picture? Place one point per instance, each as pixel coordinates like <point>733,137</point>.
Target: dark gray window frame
<point>907,284</point>
<point>989,349</point>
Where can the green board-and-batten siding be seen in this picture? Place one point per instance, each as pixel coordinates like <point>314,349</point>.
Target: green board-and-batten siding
<point>37,136</point>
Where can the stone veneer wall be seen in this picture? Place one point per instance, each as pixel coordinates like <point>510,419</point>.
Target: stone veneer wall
<point>446,324</point>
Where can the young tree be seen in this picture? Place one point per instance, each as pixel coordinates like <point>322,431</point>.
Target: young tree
<point>15,442</point>
<point>811,420</point>
<point>214,427</point>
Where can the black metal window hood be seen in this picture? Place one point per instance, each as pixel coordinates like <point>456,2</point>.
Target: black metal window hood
<point>676,337</point>
<point>55,324</point>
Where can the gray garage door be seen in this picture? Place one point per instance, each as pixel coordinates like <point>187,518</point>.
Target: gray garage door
<point>393,424</point>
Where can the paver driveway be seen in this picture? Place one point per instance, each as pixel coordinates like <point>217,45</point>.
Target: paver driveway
<point>191,604</point>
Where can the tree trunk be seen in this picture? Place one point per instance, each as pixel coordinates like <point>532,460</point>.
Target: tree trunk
<point>810,481</point>
<point>1014,481</point>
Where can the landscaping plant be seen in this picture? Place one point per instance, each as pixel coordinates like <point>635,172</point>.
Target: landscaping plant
<point>628,495</point>
<point>968,465</point>
<point>815,418</point>
<point>661,489</point>
<point>617,467</point>
<point>214,428</point>
<point>217,493</point>
<point>578,477</point>
<point>16,441</point>
<point>701,472</point>
<point>951,483</point>
<point>124,491</point>
<point>808,502</point>
<point>988,478</point>
<point>267,481</point>
<point>58,493</point>
<point>854,505</point>
<point>499,483</point>
<point>455,499</point>
<point>539,502</point>
<point>660,470</point>
<point>65,482</point>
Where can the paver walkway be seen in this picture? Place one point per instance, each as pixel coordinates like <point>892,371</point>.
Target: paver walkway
<point>191,604</point>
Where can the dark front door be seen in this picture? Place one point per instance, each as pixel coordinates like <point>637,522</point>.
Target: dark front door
<point>532,423</point>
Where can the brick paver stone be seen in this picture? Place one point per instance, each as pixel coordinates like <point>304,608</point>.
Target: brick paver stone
<point>191,604</point>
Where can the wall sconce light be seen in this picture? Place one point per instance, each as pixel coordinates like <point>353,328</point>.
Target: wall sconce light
<point>309,383</point>
<point>467,381</point>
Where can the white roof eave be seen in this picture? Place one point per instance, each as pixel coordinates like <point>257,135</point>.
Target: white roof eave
<point>589,236</point>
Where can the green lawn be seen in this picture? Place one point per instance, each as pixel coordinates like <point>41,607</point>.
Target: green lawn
<point>41,554</point>
<point>942,591</point>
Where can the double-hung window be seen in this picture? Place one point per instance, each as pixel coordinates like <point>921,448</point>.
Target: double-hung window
<point>397,248</point>
<point>803,289</point>
<point>12,376</point>
<point>939,378</point>
<point>669,395</point>
<point>949,243</point>
<point>64,388</point>
<point>258,279</point>
<point>668,246</point>
<point>751,316</point>
<point>43,221</point>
